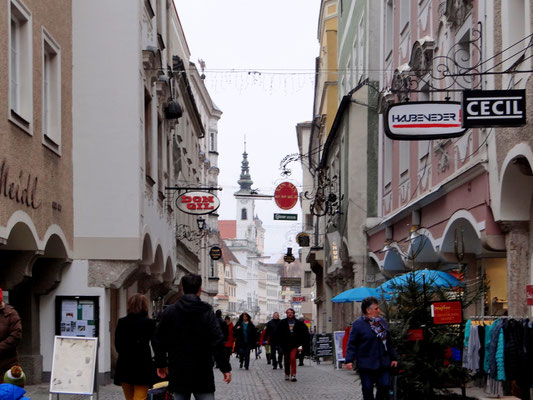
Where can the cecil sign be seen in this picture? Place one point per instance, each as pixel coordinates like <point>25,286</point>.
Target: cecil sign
<point>424,120</point>
<point>197,203</point>
<point>494,108</point>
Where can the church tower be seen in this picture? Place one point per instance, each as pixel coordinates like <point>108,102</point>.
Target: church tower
<point>245,203</point>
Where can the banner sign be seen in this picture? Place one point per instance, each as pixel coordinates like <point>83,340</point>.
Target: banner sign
<point>414,335</point>
<point>424,120</point>
<point>529,295</point>
<point>197,203</point>
<point>447,312</point>
<point>494,108</point>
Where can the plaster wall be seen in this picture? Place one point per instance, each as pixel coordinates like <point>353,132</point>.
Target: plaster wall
<point>108,120</point>
<point>27,160</point>
<point>74,283</point>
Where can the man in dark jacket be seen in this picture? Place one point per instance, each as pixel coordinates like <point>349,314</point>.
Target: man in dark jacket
<point>10,335</point>
<point>185,342</point>
<point>293,335</point>
<point>370,345</point>
<point>270,337</point>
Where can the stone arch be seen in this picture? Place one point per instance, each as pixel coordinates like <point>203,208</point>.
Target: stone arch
<point>158,266</point>
<point>422,250</point>
<point>56,243</point>
<point>147,257</point>
<point>21,233</point>
<point>516,187</point>
<point>393,262</point>
<point>470,234</point>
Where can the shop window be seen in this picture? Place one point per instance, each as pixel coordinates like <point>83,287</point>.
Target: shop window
<point>51,92</point>
<point>20,66</point>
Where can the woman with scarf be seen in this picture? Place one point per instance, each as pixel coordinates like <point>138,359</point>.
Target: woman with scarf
<point>370,346</point>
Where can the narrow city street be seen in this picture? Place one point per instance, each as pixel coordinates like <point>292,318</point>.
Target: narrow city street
<point>260,382</point>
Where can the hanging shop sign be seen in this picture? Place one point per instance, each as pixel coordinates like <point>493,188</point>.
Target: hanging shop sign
<point>286,195</point>
<point>298,299</point>
<point>424,120</point>
<point>302,239</point>
<point>285,217</point>
<point>494,108</point>
<point>291,282</point>
<point>215,253</point>
<point>197,203</point>
<point>447,312</point>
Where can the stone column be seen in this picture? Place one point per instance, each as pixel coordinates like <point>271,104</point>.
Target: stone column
<point>518,268</point>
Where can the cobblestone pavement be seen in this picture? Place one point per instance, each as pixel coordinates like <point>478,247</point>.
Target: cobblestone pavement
<point>260,382</point>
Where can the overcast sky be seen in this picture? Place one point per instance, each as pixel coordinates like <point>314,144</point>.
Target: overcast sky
<point>260,59</point>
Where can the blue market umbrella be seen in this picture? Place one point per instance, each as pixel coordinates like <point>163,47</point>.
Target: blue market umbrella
<point>358,294</point>
<point>430,277</point>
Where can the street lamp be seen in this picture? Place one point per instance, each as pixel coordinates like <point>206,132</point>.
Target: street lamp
<point>184,231</point>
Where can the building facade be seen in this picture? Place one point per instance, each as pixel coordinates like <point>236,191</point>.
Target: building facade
<point>36,173</point>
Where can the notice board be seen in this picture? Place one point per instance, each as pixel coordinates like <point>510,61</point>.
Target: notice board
<point>77,316</point>
<point>73,365</point>
<point>323,345</point>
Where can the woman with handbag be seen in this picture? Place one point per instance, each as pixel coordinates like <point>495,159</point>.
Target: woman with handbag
<point>135,370</point>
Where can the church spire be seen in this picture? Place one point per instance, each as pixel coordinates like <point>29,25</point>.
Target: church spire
<point>245,182</point>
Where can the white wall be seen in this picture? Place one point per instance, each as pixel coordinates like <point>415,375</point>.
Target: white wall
<point>106,118</point>
<point>74,283</point>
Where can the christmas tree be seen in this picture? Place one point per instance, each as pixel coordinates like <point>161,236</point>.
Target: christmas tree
<point>429,355</point>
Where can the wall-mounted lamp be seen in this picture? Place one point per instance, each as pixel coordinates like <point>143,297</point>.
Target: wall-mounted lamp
<point>184,231</point>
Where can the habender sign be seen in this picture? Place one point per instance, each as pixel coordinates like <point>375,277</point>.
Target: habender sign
<point>424,120</point>
<point>197,203</point>
<point>494,108</point>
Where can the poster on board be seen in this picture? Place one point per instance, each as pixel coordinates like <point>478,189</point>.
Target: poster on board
<point>338,337</point>
<point>73,365</point>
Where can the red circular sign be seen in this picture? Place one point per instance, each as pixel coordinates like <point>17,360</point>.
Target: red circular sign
<point>286,195</point>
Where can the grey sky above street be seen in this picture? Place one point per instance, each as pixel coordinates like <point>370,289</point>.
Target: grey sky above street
<point>259,65</point>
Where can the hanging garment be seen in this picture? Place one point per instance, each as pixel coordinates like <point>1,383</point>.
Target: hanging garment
<point>473,350</point>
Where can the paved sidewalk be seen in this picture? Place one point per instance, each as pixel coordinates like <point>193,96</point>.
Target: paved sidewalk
<point>260,382</point>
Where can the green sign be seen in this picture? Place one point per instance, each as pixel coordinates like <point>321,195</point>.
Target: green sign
<point>285,217</point>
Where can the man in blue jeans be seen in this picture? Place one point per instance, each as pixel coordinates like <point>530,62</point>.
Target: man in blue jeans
<point>370,346</point>
<point>186,340</point>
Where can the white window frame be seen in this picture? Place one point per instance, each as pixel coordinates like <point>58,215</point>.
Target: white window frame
<point>51,93</point>
<point>20,99</point>
<point>405,14</point>
<point>389,28</point>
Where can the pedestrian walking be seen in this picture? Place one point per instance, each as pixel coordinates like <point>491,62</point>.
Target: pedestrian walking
<point>10,336</point>
<point>276,354</point>
<point>264,341</point>
<point>245,339</point>
<point>223,327</point>
<point>230,342</point>
<point>185,342</point>
<point>370,345</point>
<point>293,335</point>
<point>135,370</point>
